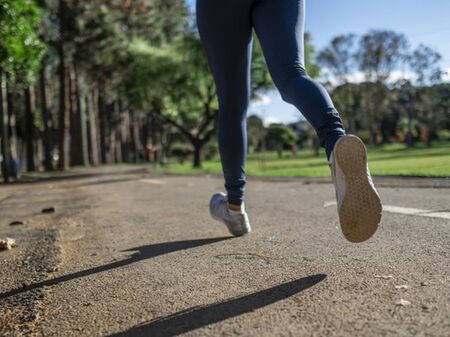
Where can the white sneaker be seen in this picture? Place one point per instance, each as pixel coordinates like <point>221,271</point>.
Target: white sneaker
<point>236,221</point>
<point>358,202</point>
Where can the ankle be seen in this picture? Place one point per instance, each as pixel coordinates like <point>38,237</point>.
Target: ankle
<point>236,208</point>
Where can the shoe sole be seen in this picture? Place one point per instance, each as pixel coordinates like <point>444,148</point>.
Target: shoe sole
<point>360,211</point>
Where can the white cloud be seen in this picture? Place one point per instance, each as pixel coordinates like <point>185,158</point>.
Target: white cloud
<point>358,77</point>
<point>446,75</point>
<point>270,120</point>
<point>262,100</point>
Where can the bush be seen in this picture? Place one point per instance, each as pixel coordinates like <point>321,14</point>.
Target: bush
<point>211,150</point>
<point>181,151</point>
<point>444,135</point>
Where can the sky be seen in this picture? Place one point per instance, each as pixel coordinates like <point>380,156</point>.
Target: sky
<point>421,21</point>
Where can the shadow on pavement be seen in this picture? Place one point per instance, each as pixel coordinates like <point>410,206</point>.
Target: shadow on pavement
<point>142,253</point>
<point>109,181</point>
<point>69,176</point>
<point>197,317</point>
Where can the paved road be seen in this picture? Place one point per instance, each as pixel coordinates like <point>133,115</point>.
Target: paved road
<point>138,255</point>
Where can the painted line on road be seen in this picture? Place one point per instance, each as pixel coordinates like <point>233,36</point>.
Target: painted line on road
<point>406,211</point>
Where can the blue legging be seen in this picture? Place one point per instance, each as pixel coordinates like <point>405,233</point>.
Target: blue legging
<point>225,28</point>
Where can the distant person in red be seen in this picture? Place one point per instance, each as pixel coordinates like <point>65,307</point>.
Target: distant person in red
<point>226,30</point>
<point>150,153</point>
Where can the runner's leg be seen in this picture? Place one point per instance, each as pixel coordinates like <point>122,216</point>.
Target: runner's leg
<point>226,34</point>
<point>279,26</point>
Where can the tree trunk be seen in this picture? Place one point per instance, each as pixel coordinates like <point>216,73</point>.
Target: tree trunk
<point>78,142</point>
<point>111,157</point>
<point>30,110</point>
<point>371,122</point>
<point>118,157</point>
<point>124,133</point>
<point>154,139</point>
<point>45,117</point>
<point>93,135</point>
<point>198,153</point>
<point>146,135</point>
<point>4,130</point>
<point>12,123</point>
<point>349,108</point>
<point>64,112</point>
<point>431,134</point>
<point>280,152</point>
<point>409,133</point>
<point>64,95</point>
<point>165,144</point>
<point>102,124</point>
<point>114,154</point>
<point>136,140</point>
<point>84,130</point>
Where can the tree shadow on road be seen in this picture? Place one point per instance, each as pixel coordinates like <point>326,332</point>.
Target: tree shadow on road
<point>197,317</point>
<point>142,253</point>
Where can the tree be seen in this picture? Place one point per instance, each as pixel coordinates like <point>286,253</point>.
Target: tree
<point>65,24</point>
<point>174,84</point>
<point>312,68</point>
<point>158,21</point>
<point>348,98</point>
<point>21,51</point>
<point>404,93</point>
<point>379,54</point>
<point>339,59</point>
<point>103,39</point>
<point>279,135</point>
<point>424,62</point>
<point>256,133</point>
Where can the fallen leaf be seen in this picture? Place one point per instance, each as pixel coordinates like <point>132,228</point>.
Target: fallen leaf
<point>403,303</point>
<point>17,223</point>
<point>48,210</point>
<point>7,244</point>
<point>426,307</point>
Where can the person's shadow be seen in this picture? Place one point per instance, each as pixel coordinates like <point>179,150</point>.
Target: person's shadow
<point>142,253</point>
<point>192,318</point>
<point>197,317</point>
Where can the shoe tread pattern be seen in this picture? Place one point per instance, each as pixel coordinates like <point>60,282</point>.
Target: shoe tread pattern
<point>360,211</point>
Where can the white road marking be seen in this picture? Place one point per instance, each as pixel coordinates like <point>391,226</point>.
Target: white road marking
<point>153,181</point>
<point>406,210</point>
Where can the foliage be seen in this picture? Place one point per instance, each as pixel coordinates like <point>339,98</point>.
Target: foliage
<point>279,135</point>
<point>424,61</point>
<point>255,133</point>
<point>21,48</point>
<point>338,57</point>
<point>312,68</point>
<point>134,73</point>
<point>380,51</point>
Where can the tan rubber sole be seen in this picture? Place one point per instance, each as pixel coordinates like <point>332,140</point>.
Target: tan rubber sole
<point>360,211</point>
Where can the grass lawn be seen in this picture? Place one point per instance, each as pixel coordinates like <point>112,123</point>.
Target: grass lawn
<point>392,159</point>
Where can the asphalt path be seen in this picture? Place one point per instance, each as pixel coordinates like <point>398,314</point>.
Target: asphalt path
<point>131,254</point>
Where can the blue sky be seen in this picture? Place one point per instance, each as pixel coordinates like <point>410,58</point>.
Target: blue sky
<point>420,20</point>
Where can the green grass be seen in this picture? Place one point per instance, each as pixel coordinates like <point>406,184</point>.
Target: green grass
<point>392,159</point>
